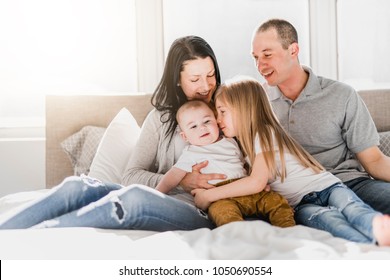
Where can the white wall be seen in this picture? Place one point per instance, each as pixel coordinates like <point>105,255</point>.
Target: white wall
<point>22,164</point>
<point>228,30</point>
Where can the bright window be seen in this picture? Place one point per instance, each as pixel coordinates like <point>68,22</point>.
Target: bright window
<point>63,47</point>
<point>364,43</point>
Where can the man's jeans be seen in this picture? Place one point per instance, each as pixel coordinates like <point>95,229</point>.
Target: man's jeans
<point>86,202</point>
<point>338,210</point>
<point>373,192</point>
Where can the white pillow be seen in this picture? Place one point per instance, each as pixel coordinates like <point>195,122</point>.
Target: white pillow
<point>115,148</point>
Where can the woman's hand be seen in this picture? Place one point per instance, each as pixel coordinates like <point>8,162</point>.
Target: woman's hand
<point>196,179</point>
<point>200,198</point>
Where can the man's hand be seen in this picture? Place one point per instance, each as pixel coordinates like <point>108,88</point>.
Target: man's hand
<point>196,179</point>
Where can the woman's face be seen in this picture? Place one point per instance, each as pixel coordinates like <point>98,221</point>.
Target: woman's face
<point>197,79</point>
<point>225,118</point>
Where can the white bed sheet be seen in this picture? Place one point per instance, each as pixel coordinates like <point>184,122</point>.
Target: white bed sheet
<point>239,240</point>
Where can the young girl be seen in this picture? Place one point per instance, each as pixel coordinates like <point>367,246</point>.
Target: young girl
<point>320,200</point>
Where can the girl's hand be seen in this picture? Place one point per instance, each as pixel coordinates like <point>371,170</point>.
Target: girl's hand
<point>200,198</point>
<point>196,179</point>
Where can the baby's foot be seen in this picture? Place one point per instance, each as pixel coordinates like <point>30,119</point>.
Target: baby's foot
<point>381,229</point>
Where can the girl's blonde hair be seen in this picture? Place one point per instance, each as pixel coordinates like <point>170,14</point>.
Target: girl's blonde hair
<point>252,116</point>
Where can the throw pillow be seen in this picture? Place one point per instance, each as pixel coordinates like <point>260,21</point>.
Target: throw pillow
<point>384,142</point>
<point>81,147</point>
<point>115,148</point>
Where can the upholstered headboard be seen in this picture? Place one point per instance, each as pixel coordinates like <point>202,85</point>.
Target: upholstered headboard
<point>378,103</point>
<point>66,115</point>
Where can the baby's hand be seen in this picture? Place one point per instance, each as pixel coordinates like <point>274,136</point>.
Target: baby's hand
<point>267,188</point>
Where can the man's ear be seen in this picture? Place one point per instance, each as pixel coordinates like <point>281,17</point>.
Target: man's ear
<point>183,135</point>
<point>294,49</point>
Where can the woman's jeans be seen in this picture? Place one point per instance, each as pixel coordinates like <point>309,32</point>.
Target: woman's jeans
<point>339,211</point>
<point>86,202</point>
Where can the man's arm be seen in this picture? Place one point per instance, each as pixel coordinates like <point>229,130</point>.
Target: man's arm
<point>375,163</point>
<point>170,180</point>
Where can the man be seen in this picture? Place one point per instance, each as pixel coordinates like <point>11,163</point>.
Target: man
<point>327,117</point>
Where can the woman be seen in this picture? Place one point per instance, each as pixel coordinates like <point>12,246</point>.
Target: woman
<point>191,72</point>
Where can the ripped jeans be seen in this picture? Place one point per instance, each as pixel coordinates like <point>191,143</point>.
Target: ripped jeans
<point>338,210</point>
<point>86,202</point>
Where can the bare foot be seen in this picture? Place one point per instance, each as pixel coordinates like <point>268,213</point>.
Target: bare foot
<point>381,229</point>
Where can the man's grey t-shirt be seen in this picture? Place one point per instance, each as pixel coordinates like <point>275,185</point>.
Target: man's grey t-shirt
<point>331,121</point>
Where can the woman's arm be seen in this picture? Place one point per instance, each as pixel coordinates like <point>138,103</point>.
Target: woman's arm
<point>141,168</point>
<point>254,183</point>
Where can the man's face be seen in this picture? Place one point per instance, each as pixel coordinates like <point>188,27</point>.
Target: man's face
<point>272,61</point>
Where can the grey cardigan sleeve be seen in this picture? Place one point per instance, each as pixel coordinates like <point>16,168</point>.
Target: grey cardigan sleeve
<point>144,160</point>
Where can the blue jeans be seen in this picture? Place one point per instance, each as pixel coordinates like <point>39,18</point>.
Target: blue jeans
<point>339,211</point>
<point>373,192</point>
<point>85,202</point>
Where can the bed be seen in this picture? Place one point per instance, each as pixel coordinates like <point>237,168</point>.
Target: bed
<point>69,122</point>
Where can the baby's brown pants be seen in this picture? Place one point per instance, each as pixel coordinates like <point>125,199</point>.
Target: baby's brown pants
<point>268,204</point>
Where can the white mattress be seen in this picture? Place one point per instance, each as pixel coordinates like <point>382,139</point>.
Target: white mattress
<point>240,240</point>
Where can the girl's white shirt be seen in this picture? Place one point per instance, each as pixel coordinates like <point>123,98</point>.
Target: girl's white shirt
<point>299,180</point>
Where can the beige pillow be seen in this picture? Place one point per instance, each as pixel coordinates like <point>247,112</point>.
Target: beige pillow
<point>115,148</point>
<point>81,148</point>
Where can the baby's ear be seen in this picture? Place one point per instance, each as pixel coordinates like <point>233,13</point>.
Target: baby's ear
<point>183,135</point>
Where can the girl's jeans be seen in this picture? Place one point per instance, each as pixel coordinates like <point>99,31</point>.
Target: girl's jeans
<point>338,210</point>
<point>86,202</point>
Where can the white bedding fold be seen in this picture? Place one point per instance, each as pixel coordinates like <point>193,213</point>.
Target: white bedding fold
<point>240,240</point>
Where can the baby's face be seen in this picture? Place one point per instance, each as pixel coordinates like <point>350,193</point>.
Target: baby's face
<point>199,126</point>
